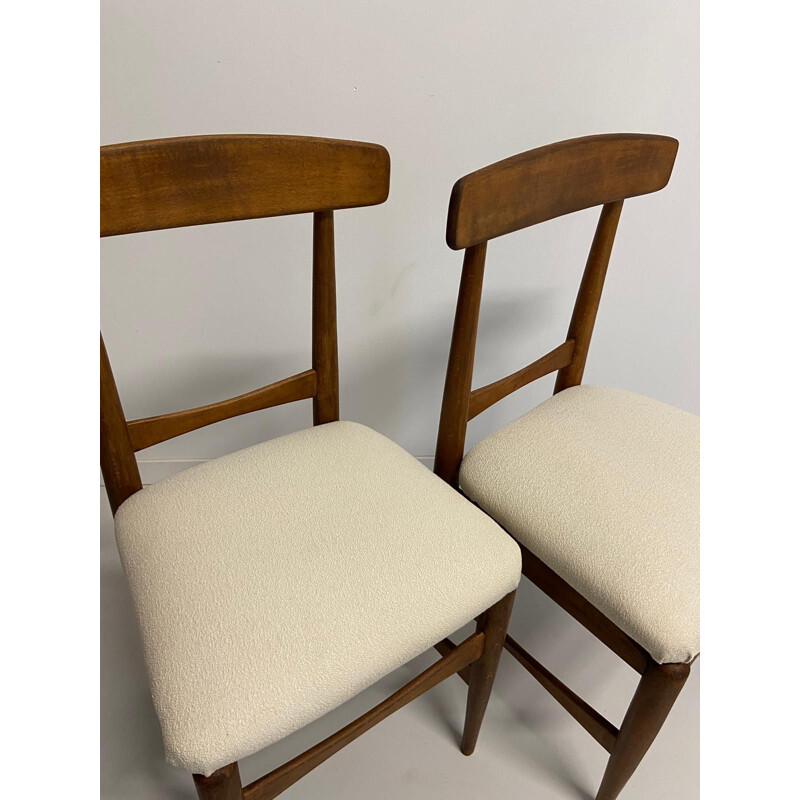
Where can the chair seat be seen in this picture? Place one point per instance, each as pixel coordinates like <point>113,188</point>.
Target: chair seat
<point>275,583</point>
<point>603,486</point>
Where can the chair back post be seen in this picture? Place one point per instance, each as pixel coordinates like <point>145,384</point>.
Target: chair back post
<point>324,344</point>
<point>458,383</point>
<point>117,461</point>
<point>587,302</point>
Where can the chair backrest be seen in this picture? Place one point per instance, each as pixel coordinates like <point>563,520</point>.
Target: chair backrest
<point>515,193</point>
<point>171,183</point>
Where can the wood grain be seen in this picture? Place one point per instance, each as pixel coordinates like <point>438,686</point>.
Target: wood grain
<point>486,396</point>
<point>492,624</point>
<point>224,784</point>
<point>656,694</point>
<point>445,647</point>
<point>458,380</point>
<point>592,721</point>
<point>195,180</point>
<point>588,300</point>
<point>324,337</point>
<point>554,180</point>
<point>151,430</point>
<point>117,461</point>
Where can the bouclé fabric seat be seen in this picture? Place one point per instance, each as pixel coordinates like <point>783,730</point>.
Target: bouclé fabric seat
<point>275,583</point>
<point>603,485</point>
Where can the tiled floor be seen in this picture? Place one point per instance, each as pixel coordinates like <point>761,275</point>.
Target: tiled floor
<point>529,747</point>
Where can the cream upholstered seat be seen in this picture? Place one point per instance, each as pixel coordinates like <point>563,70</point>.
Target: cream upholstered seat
<point>275,583</point>
<point>603,486</point>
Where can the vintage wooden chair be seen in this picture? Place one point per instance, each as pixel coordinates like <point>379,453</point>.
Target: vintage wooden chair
<point>598,486</point>
<point>273,584</point>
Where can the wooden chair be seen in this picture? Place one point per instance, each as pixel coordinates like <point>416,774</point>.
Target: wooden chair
<point>273,584</point>
<point>598,486</point>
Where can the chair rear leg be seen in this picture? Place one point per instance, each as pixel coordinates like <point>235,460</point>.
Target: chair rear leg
<point>224,784</point>
<point>492,623</point>
<point>658,690</point>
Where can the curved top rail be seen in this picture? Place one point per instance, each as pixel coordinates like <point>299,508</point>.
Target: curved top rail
<point>195,180</point>
<point>555,180</point>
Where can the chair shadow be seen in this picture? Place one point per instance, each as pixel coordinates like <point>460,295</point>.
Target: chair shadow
<point>532,753</point>
<point>529,710</point>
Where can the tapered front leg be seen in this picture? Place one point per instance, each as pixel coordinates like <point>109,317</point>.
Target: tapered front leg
<point>224,784</point>
<point>657,692</point>
<point>492,623</point>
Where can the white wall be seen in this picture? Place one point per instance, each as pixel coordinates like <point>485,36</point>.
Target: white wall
<point>195,315</point>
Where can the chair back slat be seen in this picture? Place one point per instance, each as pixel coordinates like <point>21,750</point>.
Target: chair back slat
<point>558,179</point>
<point>153,430</point>
<point>195,180</point>
<point>487,396</point>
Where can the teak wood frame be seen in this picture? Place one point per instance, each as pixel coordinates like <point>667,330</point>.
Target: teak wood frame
<point>171,183</point>
<point>507,196</point>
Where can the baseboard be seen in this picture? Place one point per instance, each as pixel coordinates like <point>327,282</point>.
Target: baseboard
<point>154,470</point>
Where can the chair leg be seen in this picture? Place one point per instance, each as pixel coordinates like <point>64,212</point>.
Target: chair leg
<point>224,784</point>
<point>492,623</point>
<point>658,690</point>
